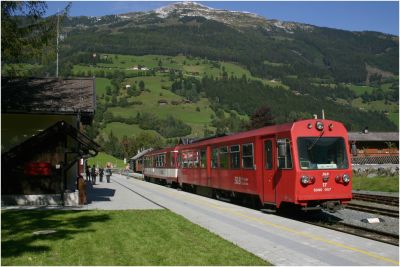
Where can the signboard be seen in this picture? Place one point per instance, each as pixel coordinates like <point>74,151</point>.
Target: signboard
<point>37,168</point>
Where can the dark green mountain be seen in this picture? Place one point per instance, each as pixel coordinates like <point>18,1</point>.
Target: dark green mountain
<point>268,48</point>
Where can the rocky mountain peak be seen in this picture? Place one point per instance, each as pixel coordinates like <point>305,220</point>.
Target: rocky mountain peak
<point>237,19</point>
<point>192,9</point>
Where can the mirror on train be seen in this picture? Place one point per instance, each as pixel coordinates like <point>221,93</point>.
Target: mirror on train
<point>282,148</point>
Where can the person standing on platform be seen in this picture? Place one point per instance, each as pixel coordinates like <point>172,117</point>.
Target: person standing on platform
<point>108,173</point>
<point>82,190</point>
<point>101,173</point>
<point>93,174</point>
<point>87,172</point>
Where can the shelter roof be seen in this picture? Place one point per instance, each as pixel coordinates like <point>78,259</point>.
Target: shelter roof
<point>48,95</point>
<point>58,131</point>
<point>374,136</point>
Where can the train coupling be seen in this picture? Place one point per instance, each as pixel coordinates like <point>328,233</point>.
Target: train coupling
<point>310,208</point>
<point>331,206</point>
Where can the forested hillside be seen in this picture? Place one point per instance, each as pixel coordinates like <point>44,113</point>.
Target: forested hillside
<point>269,52</point>
<point>186,70</point>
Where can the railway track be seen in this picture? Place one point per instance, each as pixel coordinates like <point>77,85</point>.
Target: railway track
<point>330,221</point>
<point>372,203</point>
<point>386,200</point>
<point>374,209</point>
<point>377,235</point>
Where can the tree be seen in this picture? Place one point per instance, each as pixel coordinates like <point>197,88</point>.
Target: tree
<point>25,33</point>
<point>260,118</point>
<point>141,85</point>
<point>108,90</point>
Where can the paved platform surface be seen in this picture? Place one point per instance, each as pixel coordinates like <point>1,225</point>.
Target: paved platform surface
<point>115,196</point>
<point>278,240</point>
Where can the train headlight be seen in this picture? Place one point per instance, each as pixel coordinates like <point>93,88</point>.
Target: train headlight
<point>319,125</point>
<point>305,180</point>
<point>346,178</point>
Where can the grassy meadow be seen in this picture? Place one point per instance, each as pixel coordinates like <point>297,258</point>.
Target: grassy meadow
<point>102,158</point>
<point>122,129</point>
<point>101,85</point>
<point>379,183</point>
<point>119,238</point>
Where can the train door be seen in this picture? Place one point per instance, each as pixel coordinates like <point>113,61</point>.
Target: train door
<point>269,170</point>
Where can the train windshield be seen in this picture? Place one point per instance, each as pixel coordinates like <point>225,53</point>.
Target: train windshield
<point>323,153</point>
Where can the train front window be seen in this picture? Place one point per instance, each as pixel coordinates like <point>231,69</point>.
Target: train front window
<point>322,153</point>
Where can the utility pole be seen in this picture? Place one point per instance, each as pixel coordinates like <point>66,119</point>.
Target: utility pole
<point>58,25</point>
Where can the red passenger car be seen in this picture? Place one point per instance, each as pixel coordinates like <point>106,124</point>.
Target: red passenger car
<point>305,163</point>
<point>161,166</point>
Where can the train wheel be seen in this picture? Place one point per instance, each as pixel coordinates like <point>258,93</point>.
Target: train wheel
<point>184,187</point>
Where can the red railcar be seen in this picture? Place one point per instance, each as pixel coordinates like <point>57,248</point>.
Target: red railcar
<point>161,166</point>
<point>306,163</point>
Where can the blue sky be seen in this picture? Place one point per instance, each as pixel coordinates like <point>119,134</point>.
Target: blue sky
<point>382,16</point>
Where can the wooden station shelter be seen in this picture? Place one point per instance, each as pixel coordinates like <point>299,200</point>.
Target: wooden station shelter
<point>41,138</point>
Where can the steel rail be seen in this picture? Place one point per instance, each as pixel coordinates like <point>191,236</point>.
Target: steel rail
<point>386,200</point>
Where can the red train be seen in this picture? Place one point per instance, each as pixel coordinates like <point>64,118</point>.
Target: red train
<point>161,166</point>
<point>305,163</point>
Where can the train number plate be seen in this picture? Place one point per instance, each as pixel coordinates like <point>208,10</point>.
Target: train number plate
<point>241,180</point>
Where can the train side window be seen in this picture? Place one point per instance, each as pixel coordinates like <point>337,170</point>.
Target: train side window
<point>214,158</point>
<point>179,160</point>
<point>172,159</point>
<point>190,159</point>
<point>223,157</point>
<point>247,156</point>
<point>159,157</point>
<point>167,160</point>
<point>195,159</point>
<point>285,161</point>
<point>268,154</point>
<point>184,159</point>
<point>203,159</point>
<point>235,157</point>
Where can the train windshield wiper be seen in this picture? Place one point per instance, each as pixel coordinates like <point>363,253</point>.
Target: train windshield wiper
<point>316,140</point>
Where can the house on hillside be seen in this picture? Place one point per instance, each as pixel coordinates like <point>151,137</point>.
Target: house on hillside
<point>162,102</point>
<point>41,139</point>
<point>374,147</point>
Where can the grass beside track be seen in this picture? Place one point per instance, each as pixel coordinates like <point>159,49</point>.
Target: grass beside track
<point>152,237</point>
<point>102,158</point>
<point>383,184</point>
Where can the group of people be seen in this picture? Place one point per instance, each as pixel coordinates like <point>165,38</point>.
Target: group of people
<point>92,172</point>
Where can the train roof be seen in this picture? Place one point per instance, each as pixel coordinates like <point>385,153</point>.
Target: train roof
<point>268,130</point>
<point>164,150</point>
<point>141,154</point>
